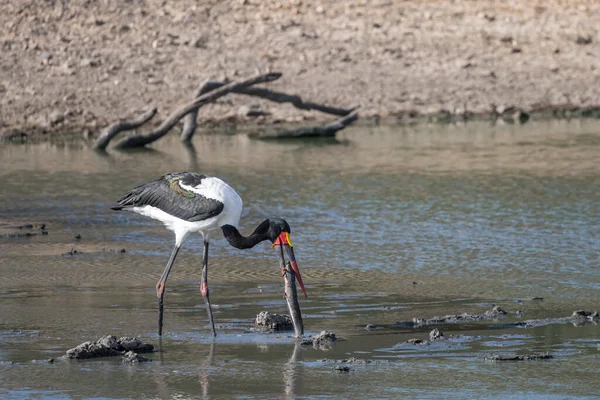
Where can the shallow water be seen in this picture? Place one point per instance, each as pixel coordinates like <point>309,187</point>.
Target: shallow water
<point>388,224</point>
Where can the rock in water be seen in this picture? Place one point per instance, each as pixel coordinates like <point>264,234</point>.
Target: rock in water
<point>436,334</point>
<point>133,357</point>
<point>273,322</point>
<point>323,339</point>
<point>108,346</point>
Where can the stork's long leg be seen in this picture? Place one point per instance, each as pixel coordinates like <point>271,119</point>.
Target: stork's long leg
<point>204,288</point>
<point>160,287</point>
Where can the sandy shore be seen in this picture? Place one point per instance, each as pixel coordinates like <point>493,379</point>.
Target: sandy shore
<point>73,65</point>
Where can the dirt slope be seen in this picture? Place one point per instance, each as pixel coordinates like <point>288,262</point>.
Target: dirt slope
<point>70,64</point>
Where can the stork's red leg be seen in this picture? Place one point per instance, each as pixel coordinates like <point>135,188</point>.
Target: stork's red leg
<point>160,287</point>
<point>204,288</point>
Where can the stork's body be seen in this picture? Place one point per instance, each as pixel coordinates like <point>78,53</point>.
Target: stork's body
<point>188,202</point>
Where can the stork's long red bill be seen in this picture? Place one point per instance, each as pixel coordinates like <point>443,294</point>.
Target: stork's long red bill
<point>284,240</point>
<point>297,272</point>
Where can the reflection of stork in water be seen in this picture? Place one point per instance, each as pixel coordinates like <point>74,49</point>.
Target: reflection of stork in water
<point>290,373</point>
<point>188,202</point>
<point>204,371</point>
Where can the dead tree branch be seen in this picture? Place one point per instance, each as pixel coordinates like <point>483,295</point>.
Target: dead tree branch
<point>189,122</point>
<point>189,125</point>
<point>328,130</point>
<point>120,126</point>
<point>280,97</point>
<point>142,140</point>
<point>171,121</point>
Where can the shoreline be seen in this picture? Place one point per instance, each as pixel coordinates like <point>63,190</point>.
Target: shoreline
<point>24,134</point>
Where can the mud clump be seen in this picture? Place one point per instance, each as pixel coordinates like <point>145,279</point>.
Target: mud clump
<point>133,357</point>
<point>587,315</point>
<point>351,360</point>
<point>41,230</point>
<point>108,346</point>
<point>495,313</point>
<point>265,321</point>
<point>519,357</point>
<point>436,334</point>
<point>579,317</point>
<point>341,368</point>
<point>72,252</point>
<point>323,340</point>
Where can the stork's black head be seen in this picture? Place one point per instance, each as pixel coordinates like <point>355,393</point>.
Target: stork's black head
<point>277,226</point>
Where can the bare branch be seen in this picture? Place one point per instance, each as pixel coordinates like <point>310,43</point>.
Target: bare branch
<point>142,140</point>
<point>328,130</point>
<point>280,97</point>
<point>120,126</point>
<point>189,122</point>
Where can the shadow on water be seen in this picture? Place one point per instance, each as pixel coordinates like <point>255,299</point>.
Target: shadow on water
<point>389,225</point>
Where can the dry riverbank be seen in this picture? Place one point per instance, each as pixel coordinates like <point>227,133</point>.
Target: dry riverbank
<point>75,65</point>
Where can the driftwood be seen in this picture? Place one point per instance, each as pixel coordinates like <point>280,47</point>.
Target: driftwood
<point>144,139</point>
<point>328,130</point>
<point>189,125</point>
<point>120,126</point>
<point>210,91</point>
<point>189,122</point>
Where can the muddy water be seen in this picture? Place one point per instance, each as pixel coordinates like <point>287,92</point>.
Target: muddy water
<point>388,224</point>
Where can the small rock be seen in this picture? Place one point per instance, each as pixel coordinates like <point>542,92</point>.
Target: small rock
<point>436,334</point>
<point>253,110</point>
<point>88,62</point>
<point>133,357</point>
<point>201,41</point>
<point>322,340</point>
<point>56,117</point>
<point>353,360</point>
<point>341,368</point>
<point>324,337</point>
<point>108,341</point>
<point>581,314</point>
<point>583,40</point>
<point>417,341</point>
<point>498,310</point>
<point>129,343</point>
<point>71,252</point>
<point>45,58</point>
<point>273,322</point>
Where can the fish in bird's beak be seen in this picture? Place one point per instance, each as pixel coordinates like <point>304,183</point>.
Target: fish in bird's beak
<point>284,240</point>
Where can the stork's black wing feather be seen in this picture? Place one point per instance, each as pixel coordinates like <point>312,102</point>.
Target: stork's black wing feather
<point>166,194</point>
